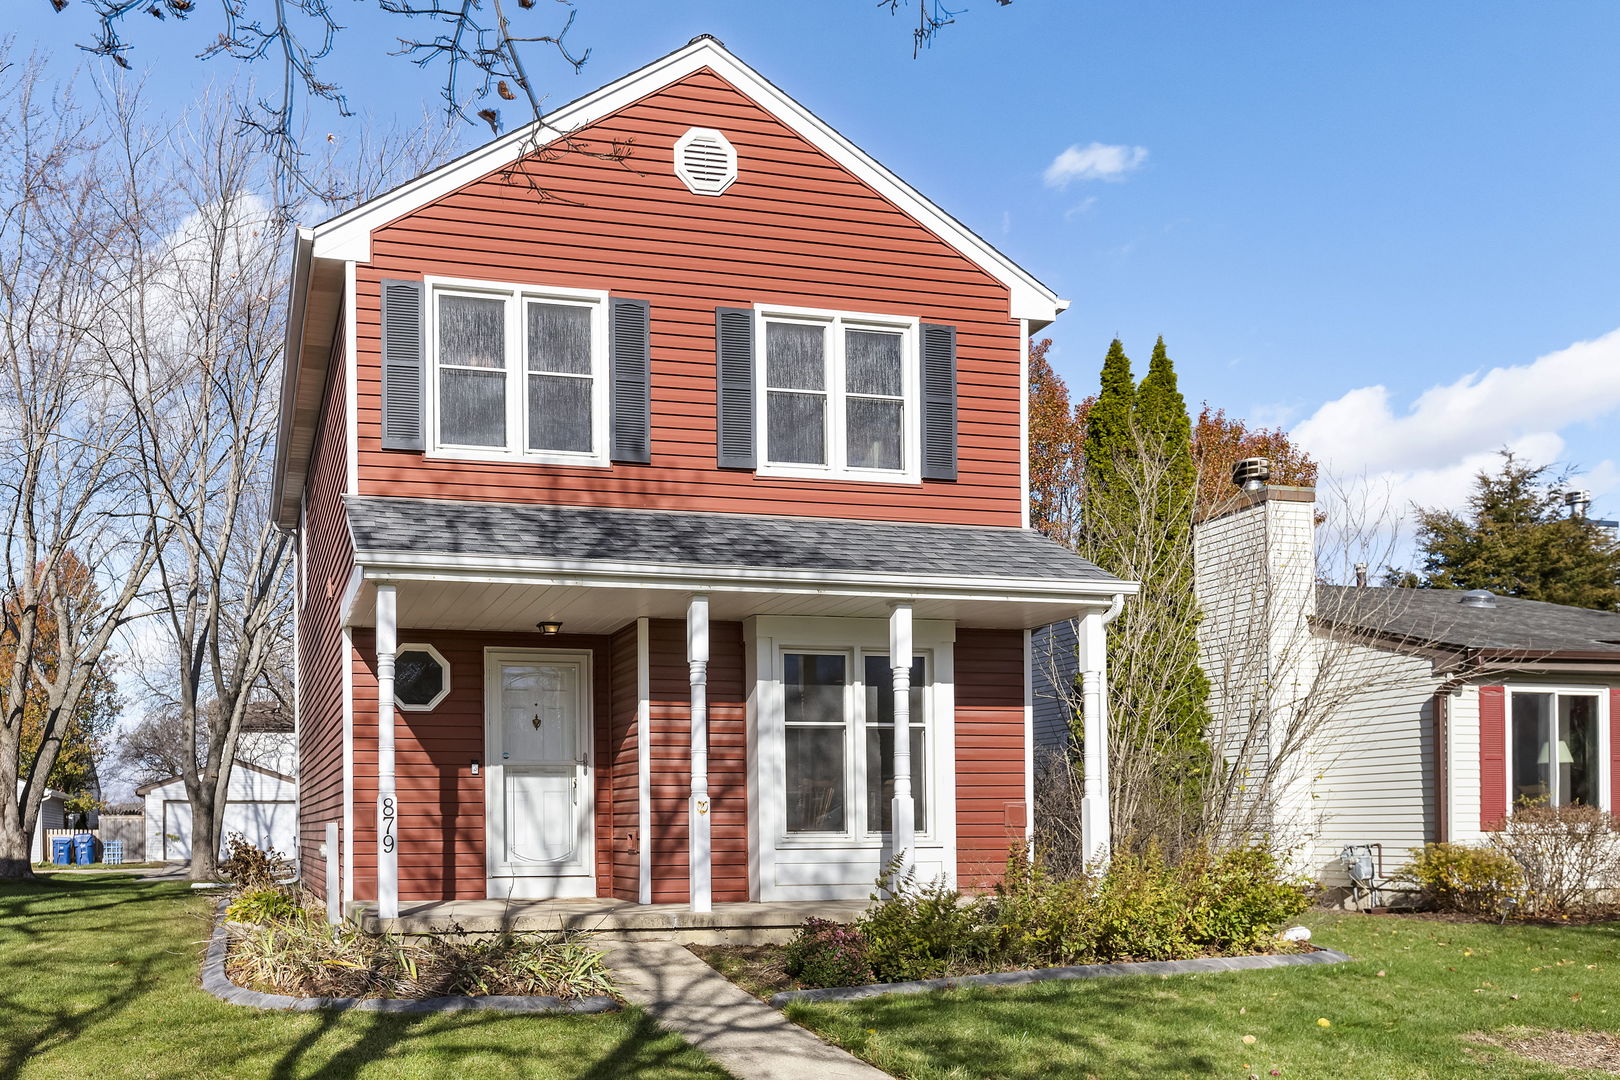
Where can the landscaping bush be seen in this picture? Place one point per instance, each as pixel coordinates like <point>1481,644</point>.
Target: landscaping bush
<point>826,953</point>
<point>1143,907</point>
<point>263,906</point>
<point>1568,856</point>
<point>303,956</point>
<point>1462,878</point>
<point>919,931</point>
<point>249,868</point>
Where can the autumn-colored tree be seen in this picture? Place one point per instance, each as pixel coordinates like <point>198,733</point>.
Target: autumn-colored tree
<point>83,738</point>
<point>1055,430</point>
<point>1220,442</point>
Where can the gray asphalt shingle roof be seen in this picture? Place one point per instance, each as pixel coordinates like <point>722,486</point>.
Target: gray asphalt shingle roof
<point>440,527</point>
<point>1434,616</point>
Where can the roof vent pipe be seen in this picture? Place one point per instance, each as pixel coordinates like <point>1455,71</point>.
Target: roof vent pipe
<point>1478,598</point>
<point>1579,502</point>
<point>1361,575</point>
<point>1251,474</point>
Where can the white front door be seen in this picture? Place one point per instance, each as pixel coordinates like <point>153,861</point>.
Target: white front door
<point>538,791</point>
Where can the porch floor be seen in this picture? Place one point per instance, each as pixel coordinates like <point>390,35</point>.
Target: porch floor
<point>732,923</point>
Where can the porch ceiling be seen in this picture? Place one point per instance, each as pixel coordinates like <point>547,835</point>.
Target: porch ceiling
<point>587,609</point>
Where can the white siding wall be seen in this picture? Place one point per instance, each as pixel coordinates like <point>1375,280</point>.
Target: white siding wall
<point>1373,763</point>
<point>1463,781</point>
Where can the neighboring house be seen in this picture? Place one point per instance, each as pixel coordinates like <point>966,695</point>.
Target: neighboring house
<point>262,800</point>
<point>1406,715</point>
<point>618,484</point>
<point>52,815</point>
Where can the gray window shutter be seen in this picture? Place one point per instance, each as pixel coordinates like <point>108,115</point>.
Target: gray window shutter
<point>403,376</point>
<point>734,380</point>
<point>938,402</point>
<point>630,349</point>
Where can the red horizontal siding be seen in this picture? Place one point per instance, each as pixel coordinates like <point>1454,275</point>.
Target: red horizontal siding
<point>795,229</point>
<point>990,797</point>
<point>325,562</point>
<point>441,804</point>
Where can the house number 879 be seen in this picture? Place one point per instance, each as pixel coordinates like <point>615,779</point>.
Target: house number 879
<point>386,811</point>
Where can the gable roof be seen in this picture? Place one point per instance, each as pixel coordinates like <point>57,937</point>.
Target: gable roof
<point>323,256</point>
<point>347,237</point>
<point>1433,618</point>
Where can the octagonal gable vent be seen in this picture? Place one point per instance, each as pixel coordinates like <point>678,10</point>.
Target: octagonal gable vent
<point>705,161</point>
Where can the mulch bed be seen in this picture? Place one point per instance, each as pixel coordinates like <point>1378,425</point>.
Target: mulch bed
<point>1567,1049</point>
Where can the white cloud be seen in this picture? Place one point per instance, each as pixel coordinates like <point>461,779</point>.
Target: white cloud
<point>1429,454</point>
<point>1097,161</point>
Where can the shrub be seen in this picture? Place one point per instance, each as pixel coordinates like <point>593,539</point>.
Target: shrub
<point>305,957</point>
<point>1144,907</point>
<point>919,931</point>
<point>248,868</point>
<point>1567,856</point>
<point>826,953</point>
<point>263,906</point>
<point>1462,878</point>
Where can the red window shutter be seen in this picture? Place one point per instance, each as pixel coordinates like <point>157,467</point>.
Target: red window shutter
<point>1614,750</point>
<point>1492,756</point>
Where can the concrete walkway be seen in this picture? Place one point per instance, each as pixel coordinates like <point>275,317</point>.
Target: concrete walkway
<point>749,1038</point>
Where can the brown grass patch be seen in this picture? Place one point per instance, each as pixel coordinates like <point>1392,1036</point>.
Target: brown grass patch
<point>1567,1049</point>
<point>755,968</point>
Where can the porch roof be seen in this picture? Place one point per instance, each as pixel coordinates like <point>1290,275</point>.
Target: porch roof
<point>743,541</point>
<point>492,565</point>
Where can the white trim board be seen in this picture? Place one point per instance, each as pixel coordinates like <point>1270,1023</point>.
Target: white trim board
<point>348,236</point>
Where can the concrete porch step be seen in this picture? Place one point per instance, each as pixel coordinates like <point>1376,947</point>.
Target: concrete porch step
<point>730,924</point>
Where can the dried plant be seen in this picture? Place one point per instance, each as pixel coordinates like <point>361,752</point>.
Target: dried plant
<point>1569,856</point>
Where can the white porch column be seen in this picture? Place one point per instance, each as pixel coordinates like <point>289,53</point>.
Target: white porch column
<point>1094,822</point>
<point>387,803</point>
<point>904,820</point>
<point>697,814</point>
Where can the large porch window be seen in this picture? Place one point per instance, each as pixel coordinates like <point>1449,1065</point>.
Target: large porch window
<point>838,718</point>
<point>1555,751</point>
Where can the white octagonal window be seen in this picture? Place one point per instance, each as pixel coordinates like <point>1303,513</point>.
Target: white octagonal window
<point>421,677</point>
<point>705,161</point>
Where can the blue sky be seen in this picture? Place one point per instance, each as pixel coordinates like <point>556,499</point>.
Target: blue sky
<point>1383,225</point>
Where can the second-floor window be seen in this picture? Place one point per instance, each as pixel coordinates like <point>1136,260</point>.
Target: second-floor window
<point>837,396</point>
<point>519,373</point>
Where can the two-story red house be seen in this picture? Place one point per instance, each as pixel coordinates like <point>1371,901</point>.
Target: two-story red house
<point>621,479</point>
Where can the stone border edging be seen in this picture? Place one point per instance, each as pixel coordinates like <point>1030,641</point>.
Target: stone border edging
<point>216,982</point>
<point>1080,971</point>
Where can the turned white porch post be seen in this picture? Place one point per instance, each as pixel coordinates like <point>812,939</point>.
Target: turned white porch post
<point>387,803</point>
<point>1094,823</point>
<point>697,814</point>
<point>904,817</point>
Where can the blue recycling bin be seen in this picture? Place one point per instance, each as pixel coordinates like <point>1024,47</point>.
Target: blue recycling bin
<point>62,850</point>
<point>84,849</point>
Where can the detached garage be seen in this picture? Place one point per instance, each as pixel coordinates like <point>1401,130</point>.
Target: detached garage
<point>262,805</point>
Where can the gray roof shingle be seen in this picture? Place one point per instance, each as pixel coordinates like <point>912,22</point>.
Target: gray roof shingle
<point>1435,617</point>
<point>441,527</point>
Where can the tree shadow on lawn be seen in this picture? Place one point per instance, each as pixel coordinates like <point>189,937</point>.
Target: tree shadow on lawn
<point>1014,1033</point>
<point>136,965</point>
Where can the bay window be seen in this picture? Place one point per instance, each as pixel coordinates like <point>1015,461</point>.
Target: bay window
<point>838,396</point>
<point>838,720</point>
<point>1554,747</point>
<point>519,373</point>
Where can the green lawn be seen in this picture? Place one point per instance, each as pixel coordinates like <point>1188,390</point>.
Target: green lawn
<point>1404,1010</point>
<point>99,981</point>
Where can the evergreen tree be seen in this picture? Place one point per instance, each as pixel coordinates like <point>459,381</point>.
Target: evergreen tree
<point>1107,449</point>
<point>1137,512</point>
<point>1165,434</point>
<point>1517,539</point>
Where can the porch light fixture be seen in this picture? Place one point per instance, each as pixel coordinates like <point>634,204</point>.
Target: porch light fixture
<point>550,629</point>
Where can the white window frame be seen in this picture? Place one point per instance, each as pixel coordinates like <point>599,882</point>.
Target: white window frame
<point>517,373</point>
<point>836,466</point>
<point>1604,750</point>
<point>924,780</point>
<point>444,666</point>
